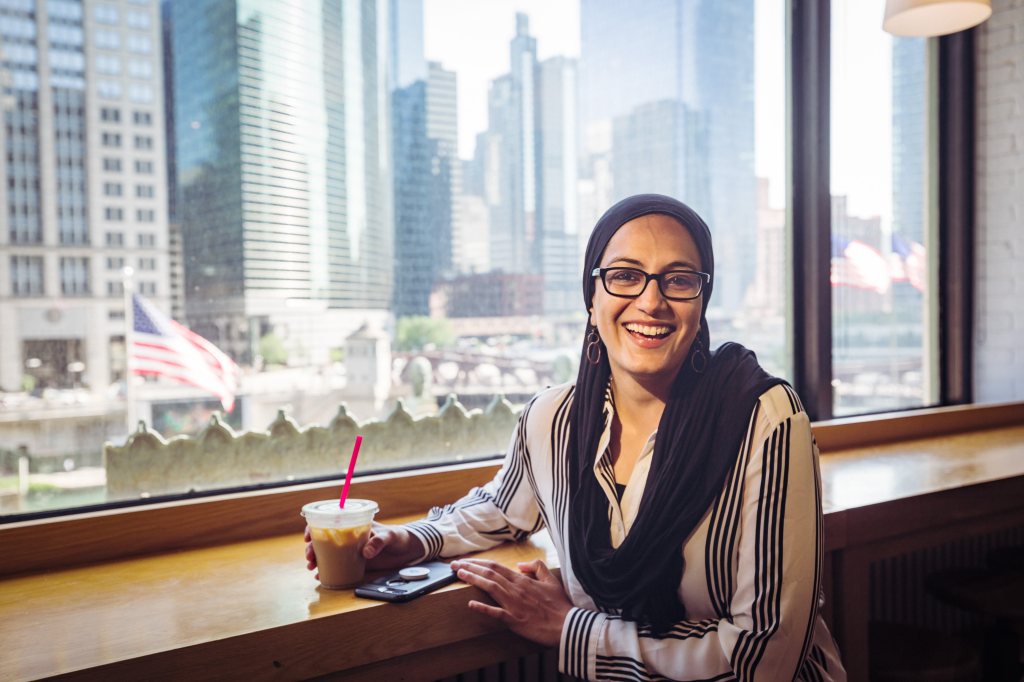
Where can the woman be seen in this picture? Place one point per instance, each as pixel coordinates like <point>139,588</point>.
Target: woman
<point>679,486</point>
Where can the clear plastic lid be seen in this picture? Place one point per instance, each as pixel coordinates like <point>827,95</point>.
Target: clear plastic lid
<point>327,513</point>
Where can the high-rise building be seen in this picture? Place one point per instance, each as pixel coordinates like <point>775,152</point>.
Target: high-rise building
<point>282,130</point>
<point>509,157</point>
<point>909,169</point>
<point>426,167</point>
<point>82,186</point>
<point>698,54</point>
<point>557,178</point>
<point>661,147</point>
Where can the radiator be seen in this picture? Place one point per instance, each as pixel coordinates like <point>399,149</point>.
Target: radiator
<point>898,592</point>
<point>541,667</point>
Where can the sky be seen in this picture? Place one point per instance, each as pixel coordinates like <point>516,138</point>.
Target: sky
<point>471,37</point>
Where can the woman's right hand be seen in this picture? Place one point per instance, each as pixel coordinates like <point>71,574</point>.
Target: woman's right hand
<point>391,547</point>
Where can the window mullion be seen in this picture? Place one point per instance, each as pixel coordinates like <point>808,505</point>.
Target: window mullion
<point>810,250</point>
<point>956,216</point>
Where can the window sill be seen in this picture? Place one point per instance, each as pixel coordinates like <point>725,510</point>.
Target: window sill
<point>245,610</point>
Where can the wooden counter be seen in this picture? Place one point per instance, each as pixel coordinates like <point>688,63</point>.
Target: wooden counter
<point>250,610</point>
<point>890,499</point>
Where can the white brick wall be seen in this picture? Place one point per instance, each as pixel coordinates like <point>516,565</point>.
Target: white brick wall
<point>999,240</point>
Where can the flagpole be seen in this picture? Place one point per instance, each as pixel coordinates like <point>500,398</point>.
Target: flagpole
<point>129,334</point>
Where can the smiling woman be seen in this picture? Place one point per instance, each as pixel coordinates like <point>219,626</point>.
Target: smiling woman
<point>679,485</point>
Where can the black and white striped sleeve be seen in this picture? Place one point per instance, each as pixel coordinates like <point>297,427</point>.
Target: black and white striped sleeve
<point>772,601</point>
<point>503,509</point>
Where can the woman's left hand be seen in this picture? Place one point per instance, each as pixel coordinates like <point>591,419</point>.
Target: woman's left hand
<point>531,602</point>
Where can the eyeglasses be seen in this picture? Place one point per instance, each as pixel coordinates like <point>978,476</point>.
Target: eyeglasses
<point>675,285</point>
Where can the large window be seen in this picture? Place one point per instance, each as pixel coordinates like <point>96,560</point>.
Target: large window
<point>884,345</point>
<point>377,209</point>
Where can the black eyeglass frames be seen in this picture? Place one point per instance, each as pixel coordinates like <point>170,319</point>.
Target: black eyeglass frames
<point>675,285</point>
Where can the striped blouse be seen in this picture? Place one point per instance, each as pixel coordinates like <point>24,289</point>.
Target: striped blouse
<point>752,567</point>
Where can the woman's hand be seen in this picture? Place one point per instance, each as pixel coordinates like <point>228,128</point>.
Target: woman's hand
<point>391,547</point>
<point>531,602</point>
<point>388,547</point>
<point>310,555</point>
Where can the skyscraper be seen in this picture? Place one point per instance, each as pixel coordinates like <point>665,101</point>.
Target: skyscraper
<point>694,53</point>
<point>282,136</point>
<point>557,176</point>
<point>82,186</point>
<point>425,134</point>
<point>510,158</point>
<point>426,178</point>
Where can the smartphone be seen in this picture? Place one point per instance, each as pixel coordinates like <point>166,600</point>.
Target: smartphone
<point>397,587</point>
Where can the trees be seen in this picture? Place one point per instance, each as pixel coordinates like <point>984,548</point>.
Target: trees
<point>417,332</point>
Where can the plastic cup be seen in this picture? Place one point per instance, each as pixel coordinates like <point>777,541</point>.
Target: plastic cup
<point>338,539</point>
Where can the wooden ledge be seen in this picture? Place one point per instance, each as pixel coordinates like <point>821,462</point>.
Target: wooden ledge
<point>873,429</point>
<point>248,610</point>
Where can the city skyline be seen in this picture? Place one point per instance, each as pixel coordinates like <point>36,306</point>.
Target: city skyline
<point>289,211</point>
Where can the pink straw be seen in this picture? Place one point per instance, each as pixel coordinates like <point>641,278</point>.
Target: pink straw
<point>351,468</point>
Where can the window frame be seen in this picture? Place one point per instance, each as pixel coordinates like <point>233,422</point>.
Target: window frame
<point>809,192</point>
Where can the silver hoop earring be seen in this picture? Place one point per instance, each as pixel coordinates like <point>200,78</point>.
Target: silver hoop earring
<point>593,347</point>
<point>698,358</point>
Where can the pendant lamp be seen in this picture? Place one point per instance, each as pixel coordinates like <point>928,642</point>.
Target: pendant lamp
<point>926,18</point>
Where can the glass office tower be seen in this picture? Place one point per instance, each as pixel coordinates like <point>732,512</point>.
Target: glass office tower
<point>283,165</point>
<point>680,74</point>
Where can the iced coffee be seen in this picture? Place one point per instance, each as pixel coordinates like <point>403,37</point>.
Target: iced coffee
<point>338,538</point>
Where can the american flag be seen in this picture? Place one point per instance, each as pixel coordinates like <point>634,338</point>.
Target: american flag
<point>857,264</point>
<point>162,347</point>
<point>909,262</point>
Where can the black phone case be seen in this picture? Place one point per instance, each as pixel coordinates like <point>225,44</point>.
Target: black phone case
<point>394,588</point>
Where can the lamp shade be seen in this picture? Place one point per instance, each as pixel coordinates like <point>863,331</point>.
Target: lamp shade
<point>925,18</point>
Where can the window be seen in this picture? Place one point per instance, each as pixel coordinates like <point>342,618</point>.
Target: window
<point>138,68</point>
<point>108,40</point>
<point>139,93</point>
<point>26,275</point>
<point>453,206</point>
<point>108,89</point>
<point>147,288</point>
<point>147,264</point>
<point>108,64</point>
<point>138,19</point>
<point>62,9</point>
<point>140,44</point>
<point>62,34</point>
<point>74,276</point>
<point>115,288</point>
<point>105,14</point>
<point>883,355</point>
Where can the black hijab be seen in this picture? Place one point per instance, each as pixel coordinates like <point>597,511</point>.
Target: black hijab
<point>699,436</point>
